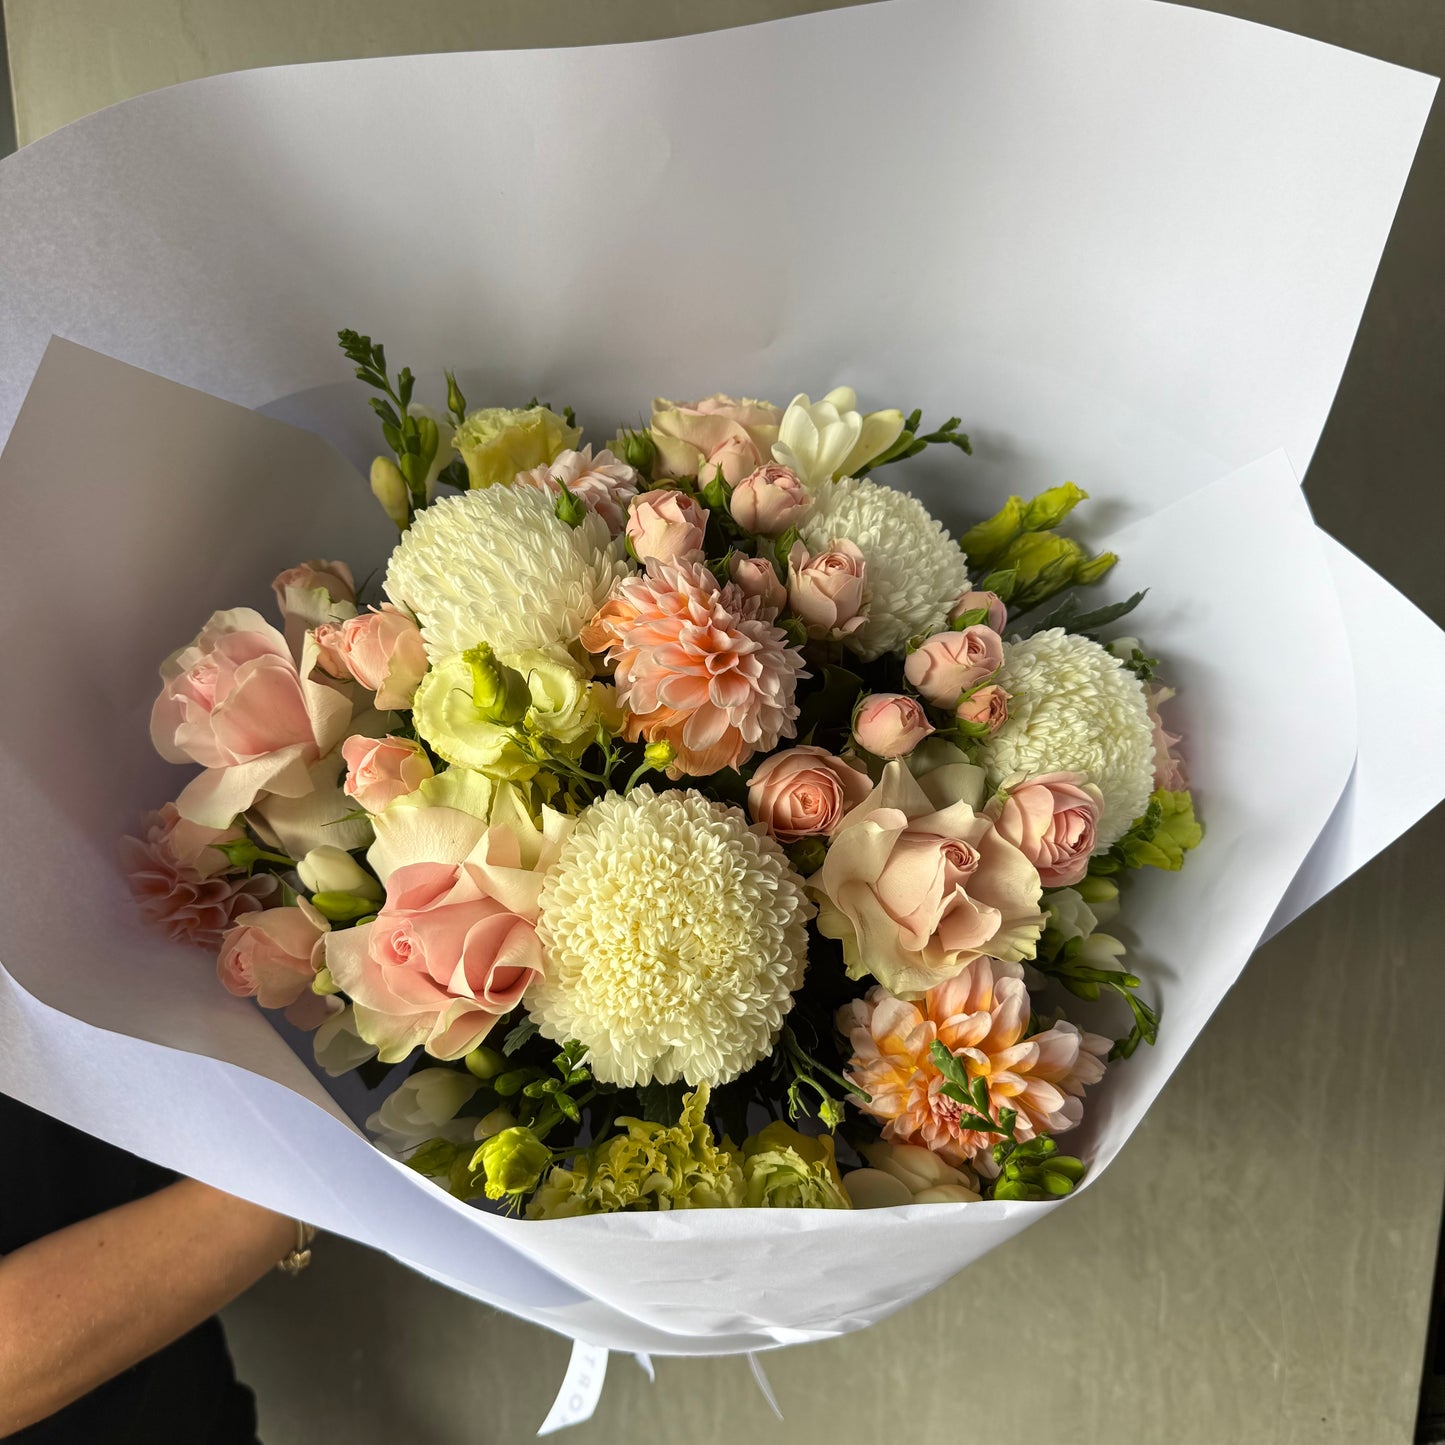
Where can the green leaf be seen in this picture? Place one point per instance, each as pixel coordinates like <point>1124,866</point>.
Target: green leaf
<point>1068,616</point>
<point>661,1103</point>
<point>435,1157</point>
<point>519,1035</point>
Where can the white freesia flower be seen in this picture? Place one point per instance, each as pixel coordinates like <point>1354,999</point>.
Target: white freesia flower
<point>329,869</point>
<point>337,1045</point>
<point>1069,915</point>
<point>1074,707</point>
<point>907,1174</point>
<point>916,571</point>
<point>826,439</point>
<point>425,1107</point>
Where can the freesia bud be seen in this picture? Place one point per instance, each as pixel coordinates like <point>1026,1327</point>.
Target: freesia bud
<point>329,869</point>
<point>389,488</point>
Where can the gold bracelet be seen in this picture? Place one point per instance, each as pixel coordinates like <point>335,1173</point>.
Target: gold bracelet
<point>300,1257</point>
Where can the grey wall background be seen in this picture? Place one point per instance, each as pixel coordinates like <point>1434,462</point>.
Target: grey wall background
<point>1257,1265</point>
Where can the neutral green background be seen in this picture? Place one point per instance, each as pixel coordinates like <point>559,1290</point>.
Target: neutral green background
<point>1256,1267</point>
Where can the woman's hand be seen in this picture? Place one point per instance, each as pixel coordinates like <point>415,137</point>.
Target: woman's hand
<point>87,1302</point>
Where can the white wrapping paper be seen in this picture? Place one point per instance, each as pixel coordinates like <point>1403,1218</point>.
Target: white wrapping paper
<point>1130,242</point>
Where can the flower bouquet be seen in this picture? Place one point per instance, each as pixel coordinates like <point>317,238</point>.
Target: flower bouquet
<point>699,750</point>
<point>702,779</point>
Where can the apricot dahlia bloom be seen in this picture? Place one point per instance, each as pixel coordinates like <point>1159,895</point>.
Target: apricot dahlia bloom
<point>981,1017</point>
<point>699,665</point>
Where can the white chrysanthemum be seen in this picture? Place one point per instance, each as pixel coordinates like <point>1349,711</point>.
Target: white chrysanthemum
<point>1074,707</point>
<point>674,936</point>
<point>916,571</point>
<point>498,566</point>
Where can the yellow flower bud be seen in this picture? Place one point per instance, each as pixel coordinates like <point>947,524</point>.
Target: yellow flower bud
<point>513,1162</point>
<point>389,488</point>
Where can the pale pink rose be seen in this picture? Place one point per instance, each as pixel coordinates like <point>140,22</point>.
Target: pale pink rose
<point>384,652</point>
<point>273,956</point>
<point>451,951</point>
<point>312,593</point>
<point>603,484</point>
<point>1169,769</point>
<point>987,707</point>
<point>695,439</point>
<point>804,792</point>
<point>381,770</point>
<point>700,665</point>
<point>330,651</point>
<point>971,601</point>
<point>666,527</point>
<point>1052,820</point>
<point>827,590</point>
<point>890,724</point>
<point>981,1016</point>
<point>768,501</point>
<point>183,885</point>
<point>759,578</point>
<point>949,663</point>
<point>332,578</point>
<point>918,882</point>
<point>235,702</point>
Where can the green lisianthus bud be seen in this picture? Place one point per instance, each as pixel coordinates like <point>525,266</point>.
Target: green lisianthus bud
<point>499,693</point>
<point>987,539</point>
<point>389,488</point>
<point>323,984</point>
<point>1045,511</point>
<point>512,1161</point>
<point>485,1063</point>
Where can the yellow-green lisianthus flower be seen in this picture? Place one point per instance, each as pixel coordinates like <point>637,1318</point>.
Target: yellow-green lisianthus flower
<point>446,716</point>
<point>497,442</point>
<point>783,1169</point>
<point>648,1167</point>
<point>565,706</point>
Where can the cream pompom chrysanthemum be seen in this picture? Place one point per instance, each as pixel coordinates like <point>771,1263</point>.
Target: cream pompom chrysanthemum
<point>674,936</point>
<point>916,571</point>
<point>497,565</point>
<point>1074,707</point>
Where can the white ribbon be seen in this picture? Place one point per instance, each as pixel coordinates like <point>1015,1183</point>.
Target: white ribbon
<point>587,1372</point>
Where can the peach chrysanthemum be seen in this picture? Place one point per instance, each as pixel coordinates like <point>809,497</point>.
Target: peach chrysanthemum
<point>699,665</point>
<point>981,1017</point>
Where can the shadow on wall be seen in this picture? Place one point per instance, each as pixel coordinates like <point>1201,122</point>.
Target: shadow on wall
<point>7,104</point>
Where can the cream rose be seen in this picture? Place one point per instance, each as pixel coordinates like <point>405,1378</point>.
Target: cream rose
<point>699,438</point>
<point>918,882</point>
